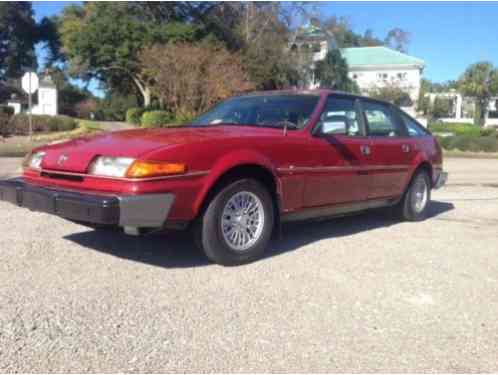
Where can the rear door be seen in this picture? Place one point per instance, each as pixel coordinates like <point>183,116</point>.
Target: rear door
<point>338,145</point>
<point>391,150</point>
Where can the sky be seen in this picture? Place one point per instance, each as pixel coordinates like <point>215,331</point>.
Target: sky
<point>448,36</point>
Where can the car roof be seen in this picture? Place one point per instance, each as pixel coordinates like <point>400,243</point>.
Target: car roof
<point>318,92</point>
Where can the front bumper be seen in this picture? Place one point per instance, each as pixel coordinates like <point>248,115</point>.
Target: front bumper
<point>137,211</point>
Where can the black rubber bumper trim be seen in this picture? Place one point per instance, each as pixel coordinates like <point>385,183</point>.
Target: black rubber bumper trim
<point>98,209</point>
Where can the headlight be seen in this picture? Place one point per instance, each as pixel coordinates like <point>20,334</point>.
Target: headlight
<point>109,166</point>
<point>33,160</point>
<point>131,168</point>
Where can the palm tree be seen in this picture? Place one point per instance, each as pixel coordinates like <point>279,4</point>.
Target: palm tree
<point>480,81</point>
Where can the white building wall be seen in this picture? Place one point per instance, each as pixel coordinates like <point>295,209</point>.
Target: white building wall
<point>406,78</point>
<point>47,102</point>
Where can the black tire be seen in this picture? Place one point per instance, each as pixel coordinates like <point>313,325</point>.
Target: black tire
<point>209,233</point>
<point>407,208</point>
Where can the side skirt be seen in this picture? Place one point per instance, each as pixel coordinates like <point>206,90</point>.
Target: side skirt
<point>338,210</point>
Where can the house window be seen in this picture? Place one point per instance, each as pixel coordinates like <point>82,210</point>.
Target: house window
<point>355,76</point>
<point>382,76</point>
<point>402,76</point>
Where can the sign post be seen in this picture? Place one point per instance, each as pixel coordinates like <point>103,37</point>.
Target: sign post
<point>30,85</point>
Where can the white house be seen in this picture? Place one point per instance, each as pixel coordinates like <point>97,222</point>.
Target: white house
<point>370,67</point>
<point>462,108</point>
<point>47,98</point>
<point>374,67</point>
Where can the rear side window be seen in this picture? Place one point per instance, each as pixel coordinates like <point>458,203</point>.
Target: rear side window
<point>414,129</point>
<point>380,120</point>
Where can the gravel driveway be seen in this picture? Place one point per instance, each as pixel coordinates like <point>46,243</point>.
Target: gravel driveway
<point>357,294</point>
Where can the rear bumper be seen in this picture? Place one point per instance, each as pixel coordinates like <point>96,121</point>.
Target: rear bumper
<point>441,179</point>
<point>138,211</point>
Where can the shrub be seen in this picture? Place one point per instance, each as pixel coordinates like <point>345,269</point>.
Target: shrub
<point>19,124</point>
<point>456,129</point>
<point>470,143</point>
<point>6,113</point>
<point>441,107</point>
<point>488,132</point>
<point>114,107</point>
<point>181,119</point>
<point>85,108</point>
<point>392,94</point>
<point>134,115</point>
<point>155,119</point>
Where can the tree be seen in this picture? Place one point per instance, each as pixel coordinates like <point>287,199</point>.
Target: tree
<point>104,41</point>
<point>393,94</point>
<point>480,82</point>
<point>332,72</point>
<point>397,39</point>
<point>18,36</point>
<point>441,107</point>
<point>259,31</point>
<point>345,37</point>
<point>187,76</point>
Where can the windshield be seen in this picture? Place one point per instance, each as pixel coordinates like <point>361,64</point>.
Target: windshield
<point>293,111</point>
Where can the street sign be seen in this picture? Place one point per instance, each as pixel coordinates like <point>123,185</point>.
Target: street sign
<point>30,82</point>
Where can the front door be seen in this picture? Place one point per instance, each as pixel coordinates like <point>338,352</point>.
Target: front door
<point>338,146</point>
<point>391,150</point>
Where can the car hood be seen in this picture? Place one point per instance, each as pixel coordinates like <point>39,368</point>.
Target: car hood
<point>76,155</point>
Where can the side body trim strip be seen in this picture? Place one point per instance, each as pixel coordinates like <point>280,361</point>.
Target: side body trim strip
<point>185,175</point>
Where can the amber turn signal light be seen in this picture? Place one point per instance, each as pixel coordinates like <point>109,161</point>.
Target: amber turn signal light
<point>140,169</point>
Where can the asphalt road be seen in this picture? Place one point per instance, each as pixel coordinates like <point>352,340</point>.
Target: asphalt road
<point>357,294</point>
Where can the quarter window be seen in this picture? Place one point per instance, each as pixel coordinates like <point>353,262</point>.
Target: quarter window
<point>340,117</point>
<point>380,121</point>
<point>414,129</point>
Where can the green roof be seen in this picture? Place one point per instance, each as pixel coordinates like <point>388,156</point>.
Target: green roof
<point>359,56</point>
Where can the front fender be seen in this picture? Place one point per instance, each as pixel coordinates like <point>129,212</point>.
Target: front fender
<point>228,162</point>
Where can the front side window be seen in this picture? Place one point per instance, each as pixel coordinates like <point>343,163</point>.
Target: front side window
<point>340,117</point>
<point>262,110</point>
<point>380,120</point>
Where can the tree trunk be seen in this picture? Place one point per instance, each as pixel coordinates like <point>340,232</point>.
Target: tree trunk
<point>144,90</point>
<point>147,96</point>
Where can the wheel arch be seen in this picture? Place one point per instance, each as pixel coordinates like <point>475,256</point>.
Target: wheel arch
<point>422,165</point>
<point>244,169</point>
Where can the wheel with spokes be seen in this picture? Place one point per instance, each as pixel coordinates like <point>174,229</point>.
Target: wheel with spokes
<point>237,223</point>
<point>415,202</point>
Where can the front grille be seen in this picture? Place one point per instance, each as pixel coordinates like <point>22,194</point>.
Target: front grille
<point>62,176</point>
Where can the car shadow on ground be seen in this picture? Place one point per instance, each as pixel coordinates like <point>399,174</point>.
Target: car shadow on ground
<point>176,250</point>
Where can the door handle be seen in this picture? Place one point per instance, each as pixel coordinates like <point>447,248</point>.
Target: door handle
<point>365,149</point>
<point>405,148</point>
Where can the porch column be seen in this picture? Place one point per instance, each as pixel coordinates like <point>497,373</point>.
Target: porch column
<point>458,110</point>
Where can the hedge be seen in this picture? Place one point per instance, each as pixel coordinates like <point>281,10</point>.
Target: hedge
<point>156,119</point>
<point>5,115</point>
<point>134,115</point>
<point>470,143</point>
<point>19,124</point>
<point>456,129</point>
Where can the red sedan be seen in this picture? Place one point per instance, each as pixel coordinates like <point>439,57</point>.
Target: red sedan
<point>240,170</point>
